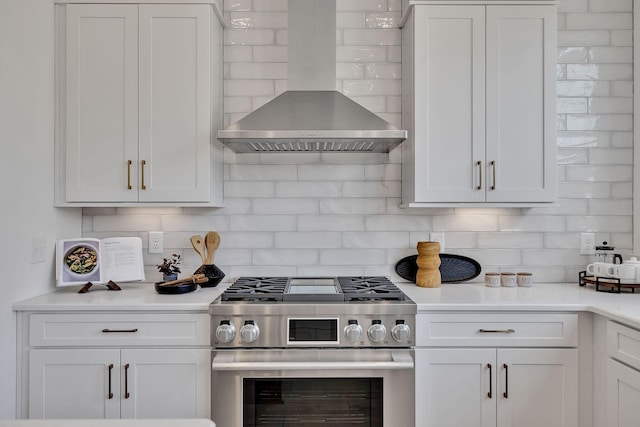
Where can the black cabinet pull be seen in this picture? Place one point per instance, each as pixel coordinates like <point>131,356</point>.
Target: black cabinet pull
<point>506,381</point>
<point>126,381</point>
<point>119,330</point>
<point>110,392</point>
<point>490,381</point>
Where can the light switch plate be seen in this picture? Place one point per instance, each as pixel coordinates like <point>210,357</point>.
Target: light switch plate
<point>587,244</point>
<point>156,242</point>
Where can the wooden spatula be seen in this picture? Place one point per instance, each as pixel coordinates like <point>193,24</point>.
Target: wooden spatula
<point>211,241</point>
<point>198,244</point>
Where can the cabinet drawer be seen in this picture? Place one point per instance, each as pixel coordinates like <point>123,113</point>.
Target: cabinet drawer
<point>623,344</point>
<point>497,330</point>
<point>127,329</point>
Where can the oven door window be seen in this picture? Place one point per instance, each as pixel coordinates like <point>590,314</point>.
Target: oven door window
<point>310,401</point>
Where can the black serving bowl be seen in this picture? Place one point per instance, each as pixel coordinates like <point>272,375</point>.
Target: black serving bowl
<point>211,272</point>
<point>176,289</point>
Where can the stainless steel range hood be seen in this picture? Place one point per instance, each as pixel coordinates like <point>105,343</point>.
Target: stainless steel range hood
<point>311,116</point>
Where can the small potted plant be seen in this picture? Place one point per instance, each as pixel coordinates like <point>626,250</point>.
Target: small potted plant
<point>170,267</point>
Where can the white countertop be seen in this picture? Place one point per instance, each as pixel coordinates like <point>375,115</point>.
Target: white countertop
<point>133,296</point>
<point>624,307</point>
<point>109,423</point>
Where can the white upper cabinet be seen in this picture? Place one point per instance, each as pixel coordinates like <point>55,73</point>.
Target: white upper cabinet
<point>138,100</point>
<point>479,104</point>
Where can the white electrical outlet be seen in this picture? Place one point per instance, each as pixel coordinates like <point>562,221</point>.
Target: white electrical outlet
<point>156,242</point>
<point>587,243</point>
<point>38,250</point>
<point>438,237</point>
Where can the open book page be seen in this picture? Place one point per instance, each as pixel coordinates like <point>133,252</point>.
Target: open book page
<point>78,262</point>
<point>122,259</point>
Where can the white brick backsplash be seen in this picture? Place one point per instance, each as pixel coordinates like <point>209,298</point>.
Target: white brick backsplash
<point>330,223</point>
<point>249,189</point>
<point>308,189</point>
<point>378,240</point>
<point>262,223</point>
<point>311,240</point>
<point>599,71</point>
<point>284,257</point>
<point>611,5</point>
<point>590,223</point>
<point>352,206</point>
<point>330,172</point>
<point>610,122</point>
<point>396,223</point>
<point>353,257</point>
<point>336,214</point>
<point>371,189</point>
<point>509,240</point>
<point>284,206</point>
<point>599,21</point>
<point>584,38</point>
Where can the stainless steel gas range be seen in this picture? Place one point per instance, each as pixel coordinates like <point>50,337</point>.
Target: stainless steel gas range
<point>296,351</point>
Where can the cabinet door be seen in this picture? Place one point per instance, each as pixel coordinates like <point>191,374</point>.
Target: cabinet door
<point>449,133</point>
<point>623,395</point>
<point>101,102</point>
<point>166,383</point>
<point>537,387</point>
<point>175,103</point>
<point>74,384</point>
<point>456,387</point>
<point>521,51</point>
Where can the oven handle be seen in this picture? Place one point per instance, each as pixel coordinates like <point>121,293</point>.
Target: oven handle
<point>225,362</point>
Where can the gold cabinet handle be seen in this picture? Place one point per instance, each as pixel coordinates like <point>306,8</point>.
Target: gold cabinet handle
<point>493,164</point>
<point>143,162</point>
<point>129,174</point>
<point>479,163</point>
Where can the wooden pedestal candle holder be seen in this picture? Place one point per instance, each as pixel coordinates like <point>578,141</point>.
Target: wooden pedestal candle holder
<point>428,275</point>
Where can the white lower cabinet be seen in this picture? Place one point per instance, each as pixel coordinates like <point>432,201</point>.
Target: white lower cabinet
<point>107,365</point>
<point>471,384</point>
<point>497,387</point>
<point>623,379</point>
<point>112,383</point>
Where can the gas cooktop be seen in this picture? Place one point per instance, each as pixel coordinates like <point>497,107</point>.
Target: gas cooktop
<point>313,289</point>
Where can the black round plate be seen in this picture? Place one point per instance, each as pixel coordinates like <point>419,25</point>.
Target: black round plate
<point>179,289</point>
<point>453,268</point>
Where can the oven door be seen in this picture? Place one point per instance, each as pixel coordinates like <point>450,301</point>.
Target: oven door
<point>354,387</point>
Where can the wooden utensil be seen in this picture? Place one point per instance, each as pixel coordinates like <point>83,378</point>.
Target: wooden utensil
<point>198,244</point>
<point>196,278</point>
<point>211,241</point>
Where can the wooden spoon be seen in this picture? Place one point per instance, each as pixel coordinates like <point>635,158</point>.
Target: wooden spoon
<point>212,241</point>
<point>198,244</point>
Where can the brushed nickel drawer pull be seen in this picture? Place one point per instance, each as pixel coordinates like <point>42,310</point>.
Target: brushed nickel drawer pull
<point>120,330</point>
<point>497,331</point>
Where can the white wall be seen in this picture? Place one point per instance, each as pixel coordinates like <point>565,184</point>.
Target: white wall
<point>338,213</point>
<point>26,170</point>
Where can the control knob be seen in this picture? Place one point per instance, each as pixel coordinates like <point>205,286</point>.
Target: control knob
<point>249,331</point>
<point>353,331</point>
<point>401,331</point>
<point>377,332</point>
<point>225,332</point>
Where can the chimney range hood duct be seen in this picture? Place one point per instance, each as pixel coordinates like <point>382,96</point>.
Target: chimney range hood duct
<point>311,116</point>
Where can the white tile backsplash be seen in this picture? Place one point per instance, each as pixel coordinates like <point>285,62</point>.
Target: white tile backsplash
<point>325,214</point>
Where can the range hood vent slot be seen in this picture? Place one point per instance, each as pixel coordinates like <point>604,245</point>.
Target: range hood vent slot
<point>312,116</point>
